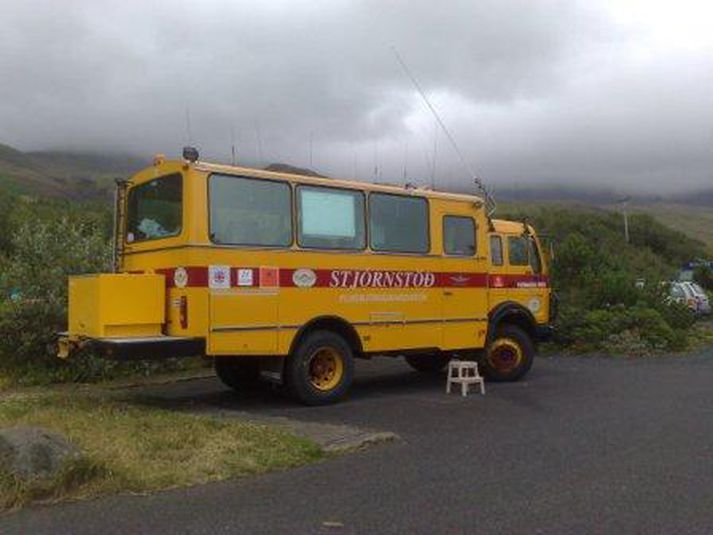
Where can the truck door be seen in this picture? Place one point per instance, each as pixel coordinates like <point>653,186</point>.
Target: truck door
<point>463,278</point>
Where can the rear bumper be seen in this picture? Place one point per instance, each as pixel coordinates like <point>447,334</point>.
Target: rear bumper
<point>136,348</point>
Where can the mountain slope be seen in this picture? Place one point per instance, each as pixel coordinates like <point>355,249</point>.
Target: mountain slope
<point>63,174</point>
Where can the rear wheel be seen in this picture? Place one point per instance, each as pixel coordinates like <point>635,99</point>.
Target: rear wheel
<point>428,362</point>
<point>237,372</point>
<point>509,356</point>
<point>321,369</point>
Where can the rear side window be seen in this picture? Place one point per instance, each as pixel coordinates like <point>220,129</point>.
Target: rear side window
<point>517,251</point>
<point>458,235</point>
<point>496,250</point>
<point>155,209</point>
<point>248,211</point>
<point>330,218</point>
<point>398,224</point>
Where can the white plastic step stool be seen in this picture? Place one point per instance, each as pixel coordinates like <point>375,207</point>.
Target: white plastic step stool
<point>465,373</point>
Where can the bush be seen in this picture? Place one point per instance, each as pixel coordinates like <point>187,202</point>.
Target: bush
<point>638,329</point>
<point>703,275</point>
<point>595,273</point>
<point>33,287</point>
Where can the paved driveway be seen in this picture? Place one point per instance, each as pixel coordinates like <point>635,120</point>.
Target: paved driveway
<point>585,445</point>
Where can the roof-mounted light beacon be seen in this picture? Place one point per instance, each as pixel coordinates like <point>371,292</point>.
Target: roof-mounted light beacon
<point>190,154</point>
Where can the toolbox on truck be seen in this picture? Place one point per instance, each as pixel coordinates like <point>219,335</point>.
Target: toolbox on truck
<point>116,305</point>
<point>121,316</point>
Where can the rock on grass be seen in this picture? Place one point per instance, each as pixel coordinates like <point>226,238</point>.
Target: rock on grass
<point>30,453</point>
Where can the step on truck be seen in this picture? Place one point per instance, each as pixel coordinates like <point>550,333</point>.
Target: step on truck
<point>294,278</point>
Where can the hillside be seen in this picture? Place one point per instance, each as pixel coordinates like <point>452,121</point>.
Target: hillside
<point>696,221</point>
<point>63,174</point>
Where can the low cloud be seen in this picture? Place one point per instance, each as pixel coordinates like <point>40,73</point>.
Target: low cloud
<point>563,91</point>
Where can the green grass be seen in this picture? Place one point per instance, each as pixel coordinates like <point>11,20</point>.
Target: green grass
<point>138,448</point>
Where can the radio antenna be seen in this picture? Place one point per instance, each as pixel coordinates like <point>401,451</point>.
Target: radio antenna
<point>258,137</point>
<point>232,144</point>
<point>189,137</point>
<point>489,201</point>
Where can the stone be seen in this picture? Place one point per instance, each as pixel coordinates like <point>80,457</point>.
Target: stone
<point>34,452</point>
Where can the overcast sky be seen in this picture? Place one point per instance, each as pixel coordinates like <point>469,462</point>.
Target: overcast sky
<point>616,93</point>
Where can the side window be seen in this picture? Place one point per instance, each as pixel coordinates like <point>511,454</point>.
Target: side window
<point>398,223</point>
<point>535,261</point>
<point>458,235</point>
<point>330,218</point>
<point>496,250</point>
<point>517,251</point>
<point>249,211</point>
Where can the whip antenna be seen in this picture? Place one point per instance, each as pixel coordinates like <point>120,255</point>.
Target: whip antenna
<point>489,201</point>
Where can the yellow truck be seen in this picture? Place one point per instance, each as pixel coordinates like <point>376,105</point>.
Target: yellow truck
<point>293,278</point>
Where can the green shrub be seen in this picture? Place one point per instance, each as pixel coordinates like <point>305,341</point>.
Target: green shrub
<point>595,273</point>
<point>33,287</point>
<point>703,275</point>
<point>642,327</point>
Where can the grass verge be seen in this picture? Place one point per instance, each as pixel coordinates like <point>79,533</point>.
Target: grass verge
<point>132,448</point>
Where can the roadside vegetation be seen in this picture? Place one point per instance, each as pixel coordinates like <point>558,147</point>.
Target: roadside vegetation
<point>130,447</point>
<point>612,294</point>
<point>595,273</point>
<point>42,241</point>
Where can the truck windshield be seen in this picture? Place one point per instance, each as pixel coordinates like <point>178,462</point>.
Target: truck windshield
<point>155,209</point>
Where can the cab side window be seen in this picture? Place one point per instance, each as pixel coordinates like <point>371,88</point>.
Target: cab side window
<point>458,235</point>
<point>517,251</point>
<point>496,250</point>
<point>535,261</point>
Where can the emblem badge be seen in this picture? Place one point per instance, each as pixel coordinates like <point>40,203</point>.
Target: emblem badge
<point>180,277</point>
<point>304,278</point>
<point>534,305</point>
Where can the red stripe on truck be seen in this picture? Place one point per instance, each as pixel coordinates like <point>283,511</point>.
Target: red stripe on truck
<point>272,277</point>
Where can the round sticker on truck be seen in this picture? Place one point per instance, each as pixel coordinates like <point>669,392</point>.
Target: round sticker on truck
<point>534,305</point>
<point>304,278</point>
<point>180,277</point>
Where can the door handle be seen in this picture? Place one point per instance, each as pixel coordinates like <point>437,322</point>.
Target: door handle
<point>447,293</point>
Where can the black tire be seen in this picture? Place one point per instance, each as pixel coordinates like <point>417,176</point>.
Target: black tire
<point>321,369</point>
<point>428,362</point>
<point>237,373</point>
<point>509,355</point>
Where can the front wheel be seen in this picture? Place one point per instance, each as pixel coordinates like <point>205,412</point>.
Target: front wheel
<point>509,356</point>
<point>321,369</point>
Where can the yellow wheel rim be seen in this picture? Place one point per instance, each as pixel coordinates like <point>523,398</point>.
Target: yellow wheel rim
<point>326,368</point>
<point>505,355</point>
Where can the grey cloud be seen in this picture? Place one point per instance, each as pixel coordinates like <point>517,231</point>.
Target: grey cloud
<point>534,91</point>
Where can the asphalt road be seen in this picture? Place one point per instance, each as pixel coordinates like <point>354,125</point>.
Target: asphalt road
<point>584,445</point>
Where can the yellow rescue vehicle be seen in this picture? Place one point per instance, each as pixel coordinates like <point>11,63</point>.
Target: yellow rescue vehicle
<point>292,278</point>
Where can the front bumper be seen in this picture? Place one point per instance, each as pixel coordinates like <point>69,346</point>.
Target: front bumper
<point>135,348</point>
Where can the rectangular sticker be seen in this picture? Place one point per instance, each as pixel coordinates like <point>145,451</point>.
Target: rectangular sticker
<point>245,277</point>
<point>219,277</point>
<point>269,277</point>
